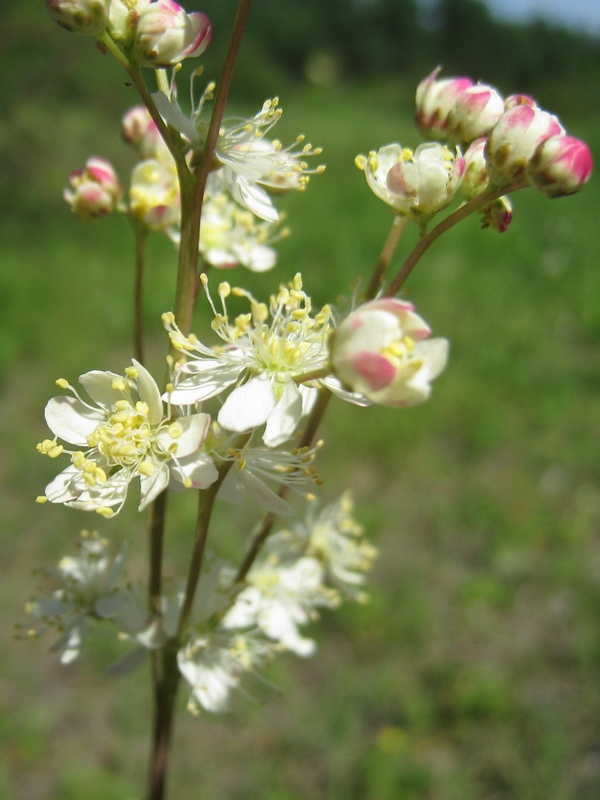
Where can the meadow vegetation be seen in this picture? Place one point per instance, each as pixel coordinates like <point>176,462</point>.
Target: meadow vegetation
<point>474,671</point>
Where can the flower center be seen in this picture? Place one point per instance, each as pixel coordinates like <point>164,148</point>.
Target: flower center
<point>126,437</point>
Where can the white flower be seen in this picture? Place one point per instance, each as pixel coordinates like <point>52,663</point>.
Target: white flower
<point>213,664</point>
<point>335,538</point>
<point>418,183</point>
<point>262,357</point>
<point>278,599</point>
<point>381,350</point>
<point>126,435</point>
<point>232,236</point>
<point>254,468</point>
<point>154,193</point>
<point>248,160</point>
<point>87,591</point>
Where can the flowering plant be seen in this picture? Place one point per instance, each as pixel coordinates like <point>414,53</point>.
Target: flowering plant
<point>238,418</point>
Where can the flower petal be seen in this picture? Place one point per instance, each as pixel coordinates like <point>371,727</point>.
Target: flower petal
<point>71,420</point>
<point>248,406</point>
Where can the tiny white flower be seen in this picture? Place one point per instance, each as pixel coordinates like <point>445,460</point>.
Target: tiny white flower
<point>87,590</point>
<point>279,598</point>
<point>262,357</point>
<point>248,161</point>
<point>125,434</point>
<point>213,664</point>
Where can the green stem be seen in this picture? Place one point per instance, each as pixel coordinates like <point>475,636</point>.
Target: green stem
<point>390,244</point>
<point>206,501</point>
<point>136,78</point>
<point>156,535</point>
<point>429,238</point>
<point>141,235</point>
<point>166,677</point>
<point>192,193</point>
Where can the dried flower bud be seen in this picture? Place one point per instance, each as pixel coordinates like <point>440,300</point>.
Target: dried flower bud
<point>88,17</point>
<point>474,114</point>
<point>560,166</point>
<point>497,214</point>
<point>434,100</point>
<point>95,190</point>
<point>379,351</point>
<point>165,34</point>
<point>514,139</point>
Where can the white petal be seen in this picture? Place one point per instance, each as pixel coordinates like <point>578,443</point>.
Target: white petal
<point>248,406</point>
<point>194,430</point>
<point>98,385</point>
<point>149,393</point>
<point>207,379</point>
<point>198,468</point>
<point>265,496</point>
<point>284,418</point>
<point>153,485</point>
<point>71,420</point>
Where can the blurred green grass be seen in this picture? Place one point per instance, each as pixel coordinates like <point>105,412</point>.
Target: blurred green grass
<point>474,672</point>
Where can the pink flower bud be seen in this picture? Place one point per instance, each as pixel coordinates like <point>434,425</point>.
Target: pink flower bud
<point>381,351</point>
<point>474,114</point>
<point>514,139</point>
<point>139,129</point>
<point>95,190</point>
<point>518,100</point>
<point>80,16</point>
<point>497,214</point>
<point>560,166</point>
<point>434,100</point>
<point>165,34</point>
<point>475,178</point>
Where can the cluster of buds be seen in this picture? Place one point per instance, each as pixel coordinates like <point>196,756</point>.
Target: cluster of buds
<point>95,190</point>
<point>508,140</point>
<point>154,33</point>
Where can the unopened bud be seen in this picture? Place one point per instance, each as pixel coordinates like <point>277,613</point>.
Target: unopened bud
<point>88,17</point>
<point>518,100</point>
<point>95,190</point>
<point>140,130</point>
<point>497,214</point>
<point>474,114</point>
<point>382,351</point>
<point>434,99</point>
<point>514,139</point>
<point>475,178</point>
<point>560,166</point>
<point>165,34</point>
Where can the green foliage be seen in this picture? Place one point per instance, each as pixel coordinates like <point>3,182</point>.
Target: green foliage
<point>474,670</point>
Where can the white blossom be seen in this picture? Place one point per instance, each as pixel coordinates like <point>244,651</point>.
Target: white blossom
<point>126,435</point>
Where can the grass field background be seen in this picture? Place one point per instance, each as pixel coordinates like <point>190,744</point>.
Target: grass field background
<point>474,672</point>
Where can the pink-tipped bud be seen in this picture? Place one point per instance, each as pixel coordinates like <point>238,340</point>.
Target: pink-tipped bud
<point>475,178</point>
<point>140,130</point>
<point>518,100</point>
<point>514,139</point>
<point>474,114</point>
<point>165,34</point>
<point>88,17</point>
<point>497,214</point>
<point>95,190</point>
<point>381,351</point>
<point>434,99</point>
<point>560,166</point>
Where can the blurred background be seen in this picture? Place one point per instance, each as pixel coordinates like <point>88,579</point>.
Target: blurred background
<point>474,672</point>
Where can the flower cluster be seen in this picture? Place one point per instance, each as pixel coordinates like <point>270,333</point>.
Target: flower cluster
<point>155,33</point>
<point>236,626</point>
<point>507,142</point>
